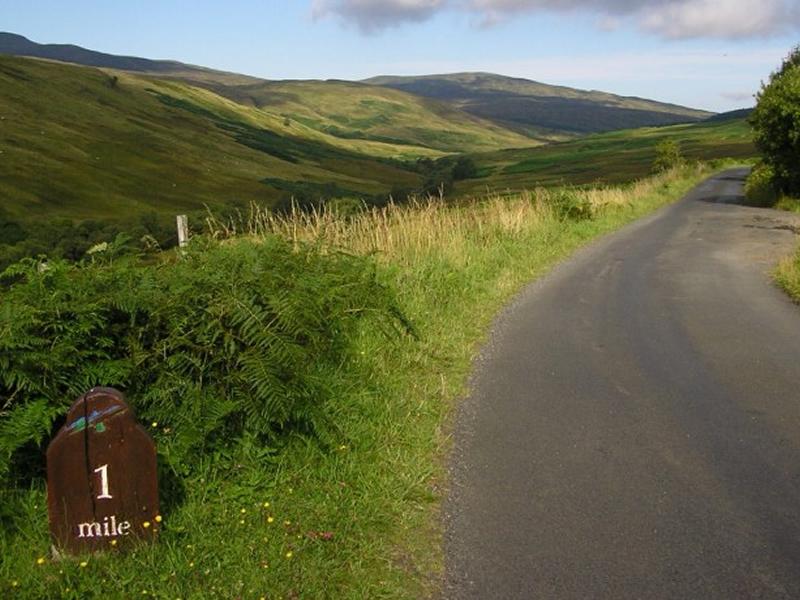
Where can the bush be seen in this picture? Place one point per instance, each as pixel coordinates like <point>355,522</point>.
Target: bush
<point>760,188</point>
<point>227,340</point>
<point>464,169</point>
<point>776,123</point>
<point>571,205</point>
<point>668,156</point>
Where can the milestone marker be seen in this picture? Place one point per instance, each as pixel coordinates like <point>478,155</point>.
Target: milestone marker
<point>102,485</point>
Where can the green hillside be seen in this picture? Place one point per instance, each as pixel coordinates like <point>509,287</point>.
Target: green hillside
<point>358,112</point>
<point>505,111</point>
<point>606,158</point>
<point>80,142</point>
<point>87,143</point>
<point>538,109</point>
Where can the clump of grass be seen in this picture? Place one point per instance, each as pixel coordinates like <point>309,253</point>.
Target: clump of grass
<point>787,275</point>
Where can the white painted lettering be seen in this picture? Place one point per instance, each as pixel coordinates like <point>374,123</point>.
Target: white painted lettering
<point>87,530</point>
<point>103,471</point>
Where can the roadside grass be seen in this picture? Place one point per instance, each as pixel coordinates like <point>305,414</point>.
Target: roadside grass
<point>787,274</point>
<point>356,515</point>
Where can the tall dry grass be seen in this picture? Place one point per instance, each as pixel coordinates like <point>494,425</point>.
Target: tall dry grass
<point>403,232</point>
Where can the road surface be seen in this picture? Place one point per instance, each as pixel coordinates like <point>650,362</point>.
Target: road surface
<point>633,429</point>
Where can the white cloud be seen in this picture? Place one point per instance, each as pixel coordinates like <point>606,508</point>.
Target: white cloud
<point>719,18</point>
<point>666,18</point>
<point>742,97</point>
<point>373,15</point>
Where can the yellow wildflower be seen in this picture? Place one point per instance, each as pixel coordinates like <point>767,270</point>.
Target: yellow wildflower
<point>146,524</point>
<point>84,564</point>
<point>158,519</point>
<point>40,560</point>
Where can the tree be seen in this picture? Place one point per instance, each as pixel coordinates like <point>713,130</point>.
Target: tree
<point>668,156</point>
<point>464,169</point>
<point>776,123</point>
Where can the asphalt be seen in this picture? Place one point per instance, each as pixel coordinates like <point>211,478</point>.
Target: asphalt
<point>633,429</point>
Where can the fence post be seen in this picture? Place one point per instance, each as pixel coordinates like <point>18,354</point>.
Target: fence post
<point>183,230</point>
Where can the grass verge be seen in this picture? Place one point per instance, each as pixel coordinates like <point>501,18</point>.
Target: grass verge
<point>357,516</point>
<point>787,275</point>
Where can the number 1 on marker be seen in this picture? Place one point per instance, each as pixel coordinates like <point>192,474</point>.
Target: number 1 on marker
<point>103,482</point>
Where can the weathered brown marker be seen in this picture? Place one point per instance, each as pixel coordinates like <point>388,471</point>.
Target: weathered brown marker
<point>102,484</point>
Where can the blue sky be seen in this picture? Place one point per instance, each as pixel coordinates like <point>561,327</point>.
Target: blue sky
<point>709,54</point>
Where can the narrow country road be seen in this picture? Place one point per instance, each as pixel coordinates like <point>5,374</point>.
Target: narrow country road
<point>633,429</point>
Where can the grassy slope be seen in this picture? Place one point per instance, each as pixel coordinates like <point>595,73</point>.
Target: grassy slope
<point>354,111</point>
<point>606,158</point>
<point>376,494</point>
<point>73,145</point>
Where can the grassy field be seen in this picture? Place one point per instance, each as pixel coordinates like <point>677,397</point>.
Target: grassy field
<point>353,514</point>
<point>606,158</point>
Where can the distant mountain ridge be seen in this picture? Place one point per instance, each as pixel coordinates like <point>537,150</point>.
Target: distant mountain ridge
<point>535,110</point>
<point>17,45</point>
<point>528,106</point>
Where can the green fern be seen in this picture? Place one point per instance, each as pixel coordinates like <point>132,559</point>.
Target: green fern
<point>226,342</point>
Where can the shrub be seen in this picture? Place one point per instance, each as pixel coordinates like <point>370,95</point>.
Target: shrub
<point>668,156</point>
<point>572,205</point>
<point>776,123</point>
<point>760,188</point>
<point>229,339</point>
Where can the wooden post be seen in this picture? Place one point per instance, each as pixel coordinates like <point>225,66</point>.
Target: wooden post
<point>102,484</point>
<point>183,230</point>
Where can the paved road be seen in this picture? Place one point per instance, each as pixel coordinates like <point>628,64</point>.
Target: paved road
<point>634,425</point>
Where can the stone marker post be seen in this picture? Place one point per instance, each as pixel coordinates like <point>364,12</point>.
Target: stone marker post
<point>102,486</point>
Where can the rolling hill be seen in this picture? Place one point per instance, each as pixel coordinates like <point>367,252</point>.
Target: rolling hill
<point>507,110</point>
<point>140,136</point>
<point>358,112</point>
<point>81,142</point>
<point>17,45</point>
<point>541,110</point>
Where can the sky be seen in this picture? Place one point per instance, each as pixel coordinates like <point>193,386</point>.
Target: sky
<point>710,54</point>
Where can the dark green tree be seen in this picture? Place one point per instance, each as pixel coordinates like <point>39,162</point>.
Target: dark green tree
<point>464,169</point>
<point>776,124</point>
